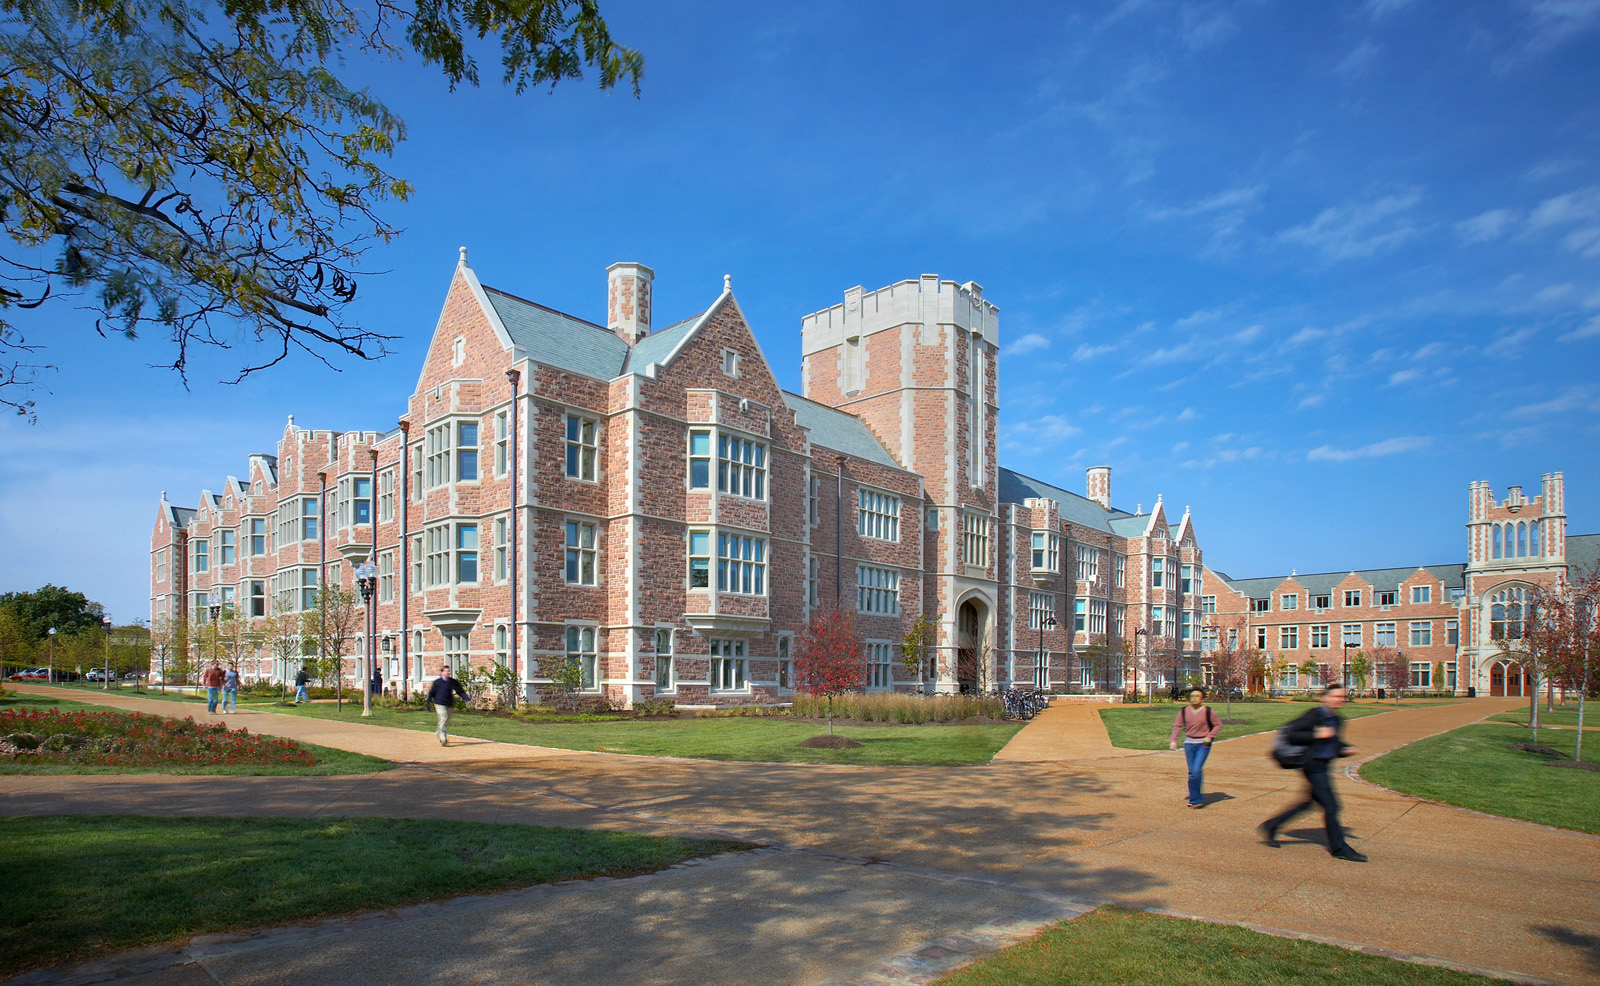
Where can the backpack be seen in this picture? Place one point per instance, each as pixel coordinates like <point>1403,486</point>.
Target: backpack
<point>1289,755</point>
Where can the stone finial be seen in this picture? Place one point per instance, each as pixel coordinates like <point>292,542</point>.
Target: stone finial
<point>464,257</point>
<point>727,284</point>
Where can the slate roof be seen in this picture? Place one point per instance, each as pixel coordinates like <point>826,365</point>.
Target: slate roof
<point>1130,527</point>
<point>181,516</point>
<point>655,347</point>
<point>838,430</point>
<point>559,340</point>
<point>1453,577</point>
<point>1583,551</point>
<point>1075,509</point>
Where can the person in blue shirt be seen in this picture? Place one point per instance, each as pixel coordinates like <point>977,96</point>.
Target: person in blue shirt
<point>230,691</point>
<point>443,694</point>
<point>1321,729</point>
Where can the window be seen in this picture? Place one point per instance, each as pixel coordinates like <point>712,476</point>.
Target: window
<point>1185,630</point>
<point>877,590</point>
<point>161,564</point>
<point>1421,594</point>
<point>811,582</point>
<point>466,552</point>
<point>361,505</point>
<point>201,615</point>
<point>977,389</point>
<point>1233,637</point>
<point>258,597</point>
<point>1322,601</point>
<point>1497,551</point>
<point>1383,635</point>
<point>438,555</point>
<point>1388,597</point>
<point>1352,597</point>
<point>1186,580</point>
<point>501,543</point>
<point>1450,675</point>
<point>466,453</point>
<point>1208,605</point>
<point>1452,634</point>
<point>1120,618</point>
<point>1533,538</point>
<point>417,581</point>
<point>416,473</point>
<point>1505,613</point>
<point>785,665</point>
<point>1208,638</point>
<point>582,447</point>
<point>741,565</point>
<point>1289,638</point>
<point>1291,677</point>
<point>933,519</point>
<point>1041,550</point>
<point>812,515</point>
<point>502,645</point>
<point>436,455</point>
<point>975,540</point>
<point>308,588</point>
<point>700,560</point>
<point>386,576</point>
<point>386,495</point>
<point>1457,595</point>
<point>1421,633</point>
<point>1319,636</point>
<point>1097,616</point>
<point>228,546</point>
<point>1080,615</point>
<point>202,555</point>
<point>1088,563</point>
<point>878,515</point>
<point>1288,601</point>
<point>1522,539</point>
<point>728,672</point>
<point>1157,572</point>
<point>502,443</point>
<point>1421,674</point>
<point>457,653</point>
<point>700,463</point>
<point>1040,606</point>
<point>581,652</point>
<point>741,467</point>
<point>1351,634</point>
<point>1122,571</point>
<point>1158,618</point>
<point>1260,605</point>
<point>1261,638</point>
<point>730,363</point>
<point>580,553</point>
<point>664,678</point>
<point>880,667</point>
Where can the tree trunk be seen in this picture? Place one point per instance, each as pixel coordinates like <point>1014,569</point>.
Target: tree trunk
<point>830,715</point>
<point>1582,694</point>
<point>1533,711</point>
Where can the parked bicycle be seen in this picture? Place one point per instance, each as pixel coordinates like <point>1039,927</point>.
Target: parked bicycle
<point>1021,704</point>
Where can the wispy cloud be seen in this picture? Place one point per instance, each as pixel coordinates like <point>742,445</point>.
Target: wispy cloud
<point>1572,399</point>
<point>1205,25</point>
<point>1510,342</point>
<point>1085,351</point>
<point>1399,377</point>
<point>1355,64</point>
<point>1557,21</point>
<point>1360,229</point>
<point>1048,429</point>
<point>1223,212</point>
<point>1389,446</point>
<point>1579,205</point>
<point>1032,342</point>
<point>1383,8</point>
<point>1486,227</point>
<point>1588,330</point>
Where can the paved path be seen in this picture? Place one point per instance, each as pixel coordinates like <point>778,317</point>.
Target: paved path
<point>1063,731</point>
<point>1469,889</point>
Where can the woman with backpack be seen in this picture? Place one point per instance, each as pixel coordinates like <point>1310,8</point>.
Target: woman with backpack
<point>1199,726</point>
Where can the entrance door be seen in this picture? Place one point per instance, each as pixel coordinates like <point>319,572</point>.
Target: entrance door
<point>969,647</point>
<point>1497,681</point>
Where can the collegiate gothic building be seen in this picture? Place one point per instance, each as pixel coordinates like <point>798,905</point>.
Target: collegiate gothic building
<point>649,505</point>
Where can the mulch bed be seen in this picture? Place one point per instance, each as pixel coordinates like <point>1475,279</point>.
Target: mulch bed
<point>1576,764</point>
<point>830,743</point>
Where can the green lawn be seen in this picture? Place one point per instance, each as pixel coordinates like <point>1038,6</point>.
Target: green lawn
<point>76,886</point>
<point>1115,947</point>
<point>1145,728</point>
<point>1556,717</point>
<point>1471,767</point>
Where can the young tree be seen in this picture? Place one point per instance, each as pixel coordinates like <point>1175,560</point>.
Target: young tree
<point>237,638</point>
<point>828,657</point>
<point>195,165</point>
<point>1360,669</point>
<point>1100,658</point>
<point>566,674</point>
<point>334,622</point>
<point>1531,636</point>
<point>1229,667</point>
<point>281,632</point>
<point>1308,673</point>
<point>1392,670</point>
<point>1579,658</point>
<point>917,646</point>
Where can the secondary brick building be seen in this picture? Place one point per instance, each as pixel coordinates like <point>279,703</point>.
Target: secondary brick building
<point>649,505</point>
<point>1446,620</point>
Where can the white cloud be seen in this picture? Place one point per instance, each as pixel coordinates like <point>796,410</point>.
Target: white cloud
<point>1361,229</point>
<point>1585,240</point>
<point>1248,334</point>
<point>1031,342</point>
<point>1225,211</point>
<point>1313,400</point>
<point>1431,349</point>
<point>1389,446</point>
<point>1180,447</point>
<point>1510,342</point>
<point>1588,330</point>
<point>1554,292</point>
<point>1197,318</point>
<point>1486,227</point>
<point>1355,64</point>
<point>1047,428</point>
<point>1188,414</point>
<point>1556,21</point>
<point>1305,335</point>
<point>1204,25</point>
<point>1382,8</point>
<point>1087,352</point>
<point>1573,399</point>
<point>1577,206</point>
<point>1399,377</point>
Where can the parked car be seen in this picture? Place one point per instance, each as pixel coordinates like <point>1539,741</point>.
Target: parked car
<point>135,675</point>
<point>100,674</point>
<point>31,674</point>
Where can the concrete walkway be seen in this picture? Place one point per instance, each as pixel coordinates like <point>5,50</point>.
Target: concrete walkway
<point>1466,889</point>
<point>1063,731</point>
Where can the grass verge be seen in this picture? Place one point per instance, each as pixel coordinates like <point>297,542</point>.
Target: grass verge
<point>1114,947</point>
<point>1144,728</point>
<point>1471,767</point>
<point>78,886</point>
<point>1556,717</point>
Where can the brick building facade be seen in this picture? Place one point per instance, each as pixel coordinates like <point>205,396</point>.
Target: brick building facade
<point>652,506</point>
<point>1445,620</point>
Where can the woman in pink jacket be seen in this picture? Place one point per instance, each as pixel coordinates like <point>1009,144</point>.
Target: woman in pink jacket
<point>1199,726</point>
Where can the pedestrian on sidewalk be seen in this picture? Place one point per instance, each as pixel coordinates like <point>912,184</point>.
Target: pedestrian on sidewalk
<point>1320,729</point>
<point>230,692</point>
<point>212,680</point>
<point>1199,726</point>
<point>301,679</point>
<point>443,696</point>
<point>377,682</point>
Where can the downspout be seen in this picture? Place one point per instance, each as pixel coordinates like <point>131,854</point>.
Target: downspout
<point>838,537</point>
<point>322,586</point>
<point>405,561</point>
<point>511,548</point>
<point>372,610</point>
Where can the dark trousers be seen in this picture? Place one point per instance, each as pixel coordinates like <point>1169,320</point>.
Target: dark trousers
<point>1321,794</point>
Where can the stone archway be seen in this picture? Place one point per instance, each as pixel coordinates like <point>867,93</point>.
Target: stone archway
<point>973,648</point>
<point>1497,680</point>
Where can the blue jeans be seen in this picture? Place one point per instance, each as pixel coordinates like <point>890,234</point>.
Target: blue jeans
<point>1194,754</point>
<point>230,699</point>
<point>212,695</point>
<point>300,693</point>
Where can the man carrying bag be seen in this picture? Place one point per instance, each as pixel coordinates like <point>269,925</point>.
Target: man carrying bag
<point>1315,737</point>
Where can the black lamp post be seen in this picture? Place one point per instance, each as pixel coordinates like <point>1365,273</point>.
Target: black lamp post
<point>1347,646</point>
<point>52,678</point>
<point>214,605</point>
<point>1041,663</point>
<point>367,579</point>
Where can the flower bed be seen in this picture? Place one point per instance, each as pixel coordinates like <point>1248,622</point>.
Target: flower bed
<point>130,739</point>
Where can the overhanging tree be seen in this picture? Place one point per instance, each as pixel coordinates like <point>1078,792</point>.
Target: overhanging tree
<point>200,166</point>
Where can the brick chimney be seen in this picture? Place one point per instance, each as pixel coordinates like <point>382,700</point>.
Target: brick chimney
<point>628,300</point>
<point>1100,485</point>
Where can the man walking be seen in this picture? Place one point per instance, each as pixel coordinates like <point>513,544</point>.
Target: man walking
<point>212,680</point>
<point>1320,729</point>
<point>230,692</point>
<point>301,679</point>
<point>443,696</point>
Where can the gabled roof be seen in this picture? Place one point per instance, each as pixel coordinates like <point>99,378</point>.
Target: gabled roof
<point>1453,577</point>
<point>657,346</point>
<point>1583,551</point>
<point>1132,526</point>
<point>557,339</point>
<point>1075,509</point>
<point>181,516</point>
<point>838,430</point>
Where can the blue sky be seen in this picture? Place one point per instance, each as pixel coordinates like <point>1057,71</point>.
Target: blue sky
<point>1309,268</point>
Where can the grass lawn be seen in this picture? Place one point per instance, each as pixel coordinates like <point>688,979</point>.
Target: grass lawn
<point>1557,717</point>
<point>1471,767</point>
<point>76,885</point>
<point>1143,728</point>
<point>1114,947</point>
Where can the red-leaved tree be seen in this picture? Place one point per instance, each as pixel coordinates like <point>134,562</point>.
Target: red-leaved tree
<point>1579,659</point>
<point>828,657</point>
<point>1392,668</point>
<point>1230,669</point>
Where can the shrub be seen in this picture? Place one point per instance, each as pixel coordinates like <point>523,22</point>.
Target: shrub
<point>130,739</point>
<point>900,707</point>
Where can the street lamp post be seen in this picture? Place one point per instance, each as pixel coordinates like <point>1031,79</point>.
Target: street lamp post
<point>52,678</point>
<point>1347,646</point>
<point>1149,686</point>
<point>105,672</point>
<point>367,579</point>
<point>214,604</point>
<point>1041,663</point>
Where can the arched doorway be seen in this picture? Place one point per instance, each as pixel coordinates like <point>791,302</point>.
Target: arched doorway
<point>974,667</point>
<point>1497,680</point>
<point>1509,681</point>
